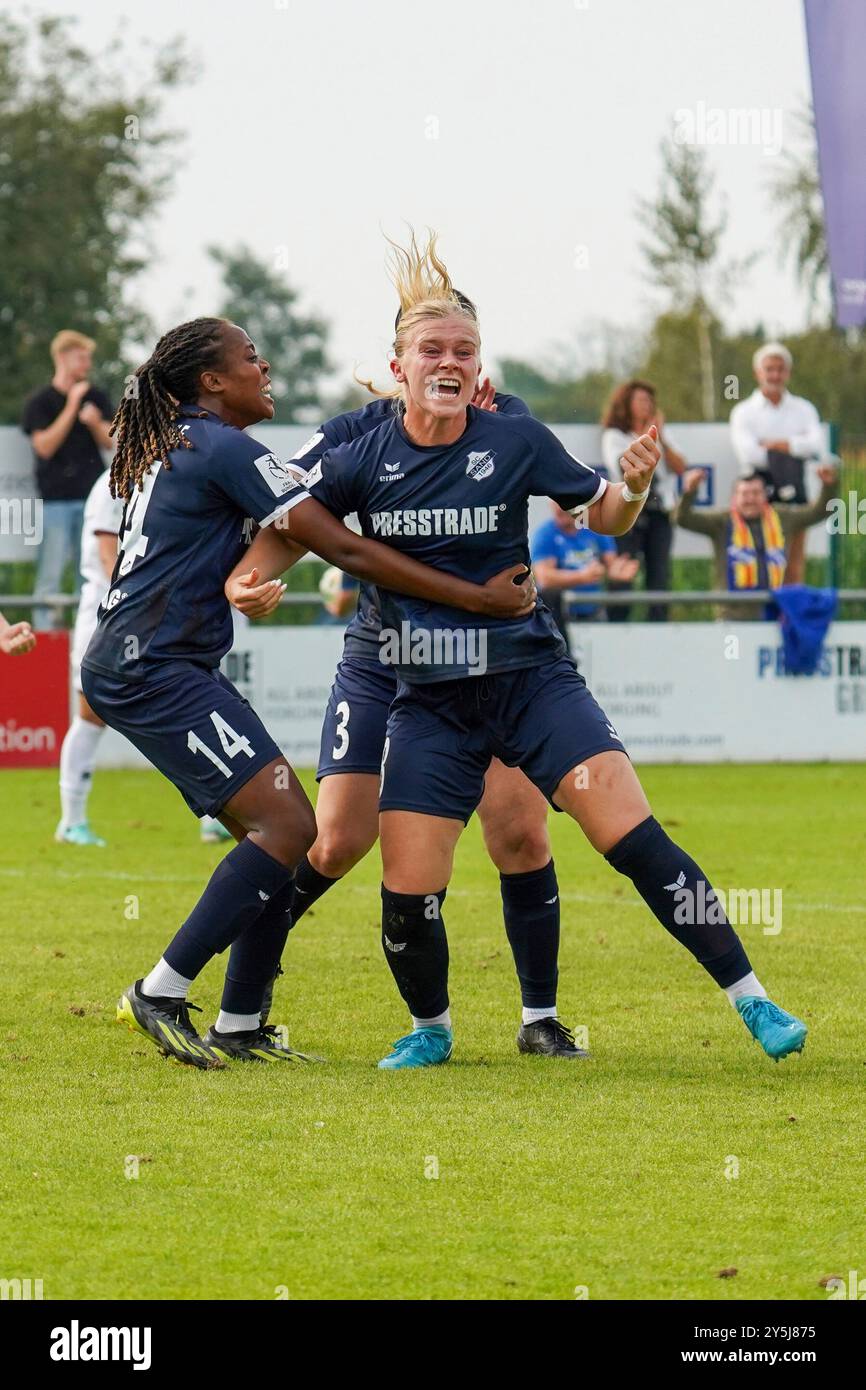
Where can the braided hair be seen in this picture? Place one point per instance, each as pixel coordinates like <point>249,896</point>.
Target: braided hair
<point>146,421</point>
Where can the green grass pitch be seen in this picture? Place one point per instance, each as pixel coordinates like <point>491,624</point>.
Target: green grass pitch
<point>608,1176</point>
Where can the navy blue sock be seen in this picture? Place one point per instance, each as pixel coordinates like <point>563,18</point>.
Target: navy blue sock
<point>416,949</point>
<point>530,905</point>
<point>309,887</point>
<point>674,888</point>
<point>255,955</point>
<point>240,886</point>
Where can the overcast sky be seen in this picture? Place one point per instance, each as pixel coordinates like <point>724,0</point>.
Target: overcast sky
<point>524,133</point>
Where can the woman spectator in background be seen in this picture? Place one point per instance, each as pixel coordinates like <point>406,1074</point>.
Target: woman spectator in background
<point>630,411</point>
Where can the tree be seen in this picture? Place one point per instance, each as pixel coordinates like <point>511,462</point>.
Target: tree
<point>796,194</point>
<point>81,172</point>
<point>560,399</point>
<point>677,371</point>
<point>262,301</point>
<point>683,253</point>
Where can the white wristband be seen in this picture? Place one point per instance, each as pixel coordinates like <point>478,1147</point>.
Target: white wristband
<point>630,496</point>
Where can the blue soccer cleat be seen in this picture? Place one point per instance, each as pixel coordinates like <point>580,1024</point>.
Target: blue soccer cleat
<point>78,835</point>
<point>778,1032</point>
<point>425,1047</point>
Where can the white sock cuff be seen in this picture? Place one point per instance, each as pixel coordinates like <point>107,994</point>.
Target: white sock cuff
<point>533,1015</point>
<point>442,1020</point>
<point>237,1023</point>
<point>165,983</point>
<point>749,984</point>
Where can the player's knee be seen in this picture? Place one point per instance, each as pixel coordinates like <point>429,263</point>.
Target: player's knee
<point>288,833</point>
<point>518,847</point>
<point>338,848</point>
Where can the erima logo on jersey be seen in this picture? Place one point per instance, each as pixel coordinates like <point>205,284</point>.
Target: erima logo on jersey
<point>672,887</point>
<point>480,465</point>
<point>395,945</point>
<point>276,474</point>
<point>437,521</point>
<point>391,474</point>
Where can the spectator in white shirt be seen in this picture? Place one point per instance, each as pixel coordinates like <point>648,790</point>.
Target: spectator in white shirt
<point>630,411</point>
<point>773,433</point>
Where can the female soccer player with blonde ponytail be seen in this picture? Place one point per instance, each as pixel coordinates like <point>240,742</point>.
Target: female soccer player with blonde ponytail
<point>512,812</point>
<point>448,484</point>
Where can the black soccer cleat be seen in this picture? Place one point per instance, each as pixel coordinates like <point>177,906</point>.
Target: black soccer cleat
<point>166,1023</point>
<point>268,999</point>
<point>548,1037</point>
<point>263,1044</point>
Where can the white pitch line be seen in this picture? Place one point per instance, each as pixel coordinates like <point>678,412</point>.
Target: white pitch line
<point>117,875</point>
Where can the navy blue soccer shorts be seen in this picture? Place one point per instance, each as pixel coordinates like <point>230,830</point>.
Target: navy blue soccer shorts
<point>192,724</point>
<point>353,734</point>
<point>442,736</point>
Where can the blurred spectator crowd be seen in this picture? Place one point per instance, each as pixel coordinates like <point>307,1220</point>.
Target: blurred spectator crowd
<point>757,540</point>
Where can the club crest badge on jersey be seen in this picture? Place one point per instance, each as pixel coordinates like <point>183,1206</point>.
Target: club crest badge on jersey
<point>275,473</point>
<point>480,465</point>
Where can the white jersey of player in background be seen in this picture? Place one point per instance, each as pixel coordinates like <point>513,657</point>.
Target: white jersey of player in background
<point>102,513</point>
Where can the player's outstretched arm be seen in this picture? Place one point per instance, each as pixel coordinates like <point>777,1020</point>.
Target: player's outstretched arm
<point>314,526</point>
<point>619,506</point>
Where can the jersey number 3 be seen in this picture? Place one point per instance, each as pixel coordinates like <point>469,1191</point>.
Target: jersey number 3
<point>341,731</point>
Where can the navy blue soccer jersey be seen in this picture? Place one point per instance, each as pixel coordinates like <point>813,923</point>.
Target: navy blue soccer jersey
<point>362,631</point>
<point>180,538</point>
<point>461,508</point>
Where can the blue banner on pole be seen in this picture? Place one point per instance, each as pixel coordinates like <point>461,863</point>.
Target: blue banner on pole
<point>836,33</point>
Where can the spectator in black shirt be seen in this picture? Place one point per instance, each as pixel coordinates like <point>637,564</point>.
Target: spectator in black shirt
<point>68,423</point>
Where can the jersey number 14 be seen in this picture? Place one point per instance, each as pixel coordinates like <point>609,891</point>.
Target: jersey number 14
<point>232,743</point>
<point>133,541</point>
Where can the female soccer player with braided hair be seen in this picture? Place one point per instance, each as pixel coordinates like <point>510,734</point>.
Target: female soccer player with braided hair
<point>195,487</point>
<point>449,484</point>
<point>512,812</point>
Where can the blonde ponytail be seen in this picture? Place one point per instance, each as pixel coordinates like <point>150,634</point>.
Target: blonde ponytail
<point>425,291</point>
